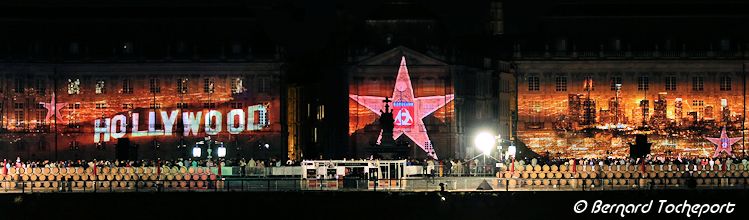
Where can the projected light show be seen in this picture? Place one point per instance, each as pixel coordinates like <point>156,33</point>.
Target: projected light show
<point>410,109</point>
<point>162,114</point>
<point>597,115</point>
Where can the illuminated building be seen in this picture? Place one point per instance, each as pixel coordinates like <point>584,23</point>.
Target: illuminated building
<point>650,80</point>
<point>545,81</point>
<point>678,110</point>
<point>116,77</point>
<point>660,118</point>
<point>700,96</point>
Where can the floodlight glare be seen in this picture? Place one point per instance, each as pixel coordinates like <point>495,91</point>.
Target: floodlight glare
<point>511,150</point>
<point>485,142</point>
<point>221,151</point>
<point>196,151</point>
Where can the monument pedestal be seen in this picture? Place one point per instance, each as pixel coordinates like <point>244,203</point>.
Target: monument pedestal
<point>387,148</point>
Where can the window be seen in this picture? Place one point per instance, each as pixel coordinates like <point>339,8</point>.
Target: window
<point>536,118</point>
<point>18,105</point>
<point>725,83</point>
<point>40,115</point>
<point>264,86</point>
<point>533,83</point>
<point>536,106</point>
<point>699,106</point>
<point>153,84</point>
<point>561,44</point>
<point>208,85</point>
<point>74,86</point>
<point>100,88</point>
<point>182,86</point>
<point>41,86</point>
<point>314,135</point>
<point>210,105</point>
<point>616,80</point>
<point>670,83</point>
<point>155,106</point>
<point>236,86</point>
<point>642,83</point>
<point>127,106</point>
<point>73,123</point>
<point>74,145</point>
<point>74,106</point>
<point>101,105</point>
<point>19,85</point>
<point>561,83</point>
<point>321,112</point>
<point>235,105</point>
<point>127,86</point>
<point>698,83</point>
<point>588,84</point>
<point>182,105</point>
<point>20,120</point>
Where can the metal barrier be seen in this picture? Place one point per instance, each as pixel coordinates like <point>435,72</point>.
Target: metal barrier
<point>406,184</point>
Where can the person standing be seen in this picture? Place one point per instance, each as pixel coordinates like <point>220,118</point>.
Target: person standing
<point>448,167</point>
<point>251,166</point>
<point>242,167</point>
<point>424,168</point>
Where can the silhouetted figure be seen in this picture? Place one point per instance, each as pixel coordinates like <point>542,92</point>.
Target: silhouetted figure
<point>387,123</point>
<point>640,148</point>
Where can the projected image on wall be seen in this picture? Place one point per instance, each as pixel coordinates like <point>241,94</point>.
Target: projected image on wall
<point>417,107</point>
<point>598,114</point>
<point>161,114</point>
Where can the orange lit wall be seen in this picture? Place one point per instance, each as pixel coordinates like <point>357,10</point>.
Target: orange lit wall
<point>31,135</point>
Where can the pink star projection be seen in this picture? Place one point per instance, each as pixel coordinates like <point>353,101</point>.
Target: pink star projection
<point>724,143</point>
<point>408,110</point>
<point>53,109</point>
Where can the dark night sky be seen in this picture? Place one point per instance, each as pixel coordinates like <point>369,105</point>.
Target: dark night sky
<point>320,33</point>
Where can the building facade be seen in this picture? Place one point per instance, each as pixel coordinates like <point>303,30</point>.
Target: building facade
<point>162,109</point>
<point>578,108</point>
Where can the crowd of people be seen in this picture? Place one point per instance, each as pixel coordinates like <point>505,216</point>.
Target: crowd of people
<point>649,160</point>
<point>250,164</point>
<point>446,167</point>
<point>477,166</point>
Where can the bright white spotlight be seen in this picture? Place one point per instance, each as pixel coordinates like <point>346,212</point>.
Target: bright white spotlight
<point>196,151</point>
<point>221,151</point>
<point>511,150</point>
<point>485,142</point>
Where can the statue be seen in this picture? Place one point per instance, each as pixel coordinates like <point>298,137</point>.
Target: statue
<point>388,148</point>
<point>387,125</point>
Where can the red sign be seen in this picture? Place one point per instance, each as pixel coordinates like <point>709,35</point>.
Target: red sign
<point>403,113</point>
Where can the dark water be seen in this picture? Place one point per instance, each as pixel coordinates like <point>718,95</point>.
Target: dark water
<point>352,205</point>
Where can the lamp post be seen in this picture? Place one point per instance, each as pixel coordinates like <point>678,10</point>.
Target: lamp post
<point>264,155</point>
<point>209,147</point>
<point>221,154</point>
